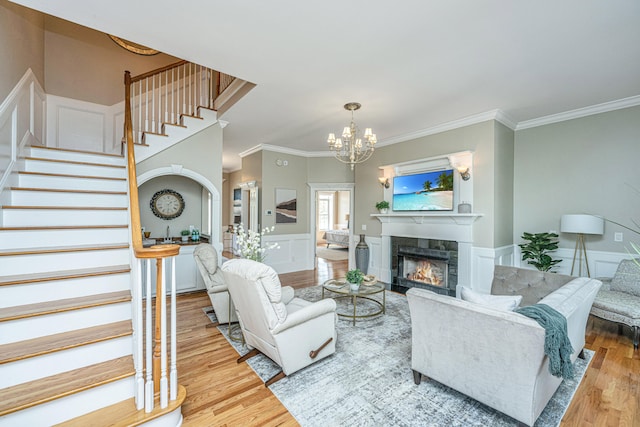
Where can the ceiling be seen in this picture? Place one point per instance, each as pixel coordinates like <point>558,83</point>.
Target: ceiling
<point>414,65</point>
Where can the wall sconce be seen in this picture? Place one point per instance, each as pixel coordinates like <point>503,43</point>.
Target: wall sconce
<point>384,181</point>
<point>464,173</point>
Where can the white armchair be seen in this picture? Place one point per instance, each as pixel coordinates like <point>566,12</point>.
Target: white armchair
<point>206,258</point>
<point>292,332</point>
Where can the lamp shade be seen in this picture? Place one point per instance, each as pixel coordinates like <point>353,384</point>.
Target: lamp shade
<point>582,224</point>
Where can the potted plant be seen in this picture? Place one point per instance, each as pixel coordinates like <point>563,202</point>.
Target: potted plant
<point>355,278</point>
<point>185,235</point>
<point>535,251</point>
<point>382,206</point>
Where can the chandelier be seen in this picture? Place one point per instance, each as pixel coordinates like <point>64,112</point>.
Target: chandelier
<point>350,149</point>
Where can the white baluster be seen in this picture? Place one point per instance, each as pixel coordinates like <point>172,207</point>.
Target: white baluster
<point>173,371</point>
<point>146,104</point>
<point>148,404</point>
<point>164,385</point>
<point>184,89</point>
<point>137,333</point>
<point>154,119</point>
<point>173,82</point>
<point>166,96</point>
<point>139,130</point>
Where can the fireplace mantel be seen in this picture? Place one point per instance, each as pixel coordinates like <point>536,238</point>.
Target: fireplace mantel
<point>428,217</point>
<point>452,226</point>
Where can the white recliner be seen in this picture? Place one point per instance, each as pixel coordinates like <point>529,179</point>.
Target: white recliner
<point>292,332</point>
<point>206,258</point>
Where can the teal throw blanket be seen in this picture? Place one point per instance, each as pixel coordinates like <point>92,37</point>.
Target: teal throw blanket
<point>556,342</point>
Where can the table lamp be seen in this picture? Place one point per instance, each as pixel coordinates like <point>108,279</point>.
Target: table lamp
<point>581,224</point>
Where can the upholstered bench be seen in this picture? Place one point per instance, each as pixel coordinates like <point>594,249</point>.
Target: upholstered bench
<point>619,298</point>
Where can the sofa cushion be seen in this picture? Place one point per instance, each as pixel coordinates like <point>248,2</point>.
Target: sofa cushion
<point>208,257</point>
<point>498,302</point>
<point>626,305</point>
<point>627,278</point>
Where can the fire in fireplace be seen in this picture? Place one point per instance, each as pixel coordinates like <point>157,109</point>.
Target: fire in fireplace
<point>424,267</point>
<point>432,272</point>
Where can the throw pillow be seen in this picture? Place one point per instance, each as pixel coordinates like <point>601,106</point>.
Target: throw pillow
<point>497,302</point>
<point>627,278</point>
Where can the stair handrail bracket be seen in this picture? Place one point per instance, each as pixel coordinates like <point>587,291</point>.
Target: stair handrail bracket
<point>153,360</point>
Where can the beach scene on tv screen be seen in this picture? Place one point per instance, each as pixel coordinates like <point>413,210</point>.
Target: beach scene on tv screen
<point>428,191</point>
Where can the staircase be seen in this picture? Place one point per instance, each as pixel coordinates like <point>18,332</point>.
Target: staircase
<point>65,301</point>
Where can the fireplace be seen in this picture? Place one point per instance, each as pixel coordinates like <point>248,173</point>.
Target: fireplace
<point>424,263</point>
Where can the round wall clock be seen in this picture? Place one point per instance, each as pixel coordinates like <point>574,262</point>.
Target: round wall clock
<point>167,204</point>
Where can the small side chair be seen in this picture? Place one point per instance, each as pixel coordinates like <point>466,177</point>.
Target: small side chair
<point>619,298</point>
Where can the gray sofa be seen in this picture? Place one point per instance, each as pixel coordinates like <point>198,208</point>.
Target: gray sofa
<point>619,298</point>
<point>497,357</point>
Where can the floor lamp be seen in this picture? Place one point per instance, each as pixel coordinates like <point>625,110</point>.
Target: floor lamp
<point>581,225</point>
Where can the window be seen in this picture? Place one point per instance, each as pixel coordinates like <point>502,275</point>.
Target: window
<point>325,212</point>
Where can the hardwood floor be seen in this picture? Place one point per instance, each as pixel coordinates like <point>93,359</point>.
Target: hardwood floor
<point>221,392</point>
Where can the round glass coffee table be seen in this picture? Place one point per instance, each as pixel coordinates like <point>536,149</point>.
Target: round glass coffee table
<point>340,288</point>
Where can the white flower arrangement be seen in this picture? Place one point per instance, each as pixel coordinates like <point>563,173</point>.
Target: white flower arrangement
<point>249,243</point>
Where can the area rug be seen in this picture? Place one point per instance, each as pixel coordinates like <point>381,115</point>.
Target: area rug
<point>332,254</point>
<point>369,382</point>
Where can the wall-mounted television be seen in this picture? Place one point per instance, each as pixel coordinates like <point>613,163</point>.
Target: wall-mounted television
<point>425,191</point>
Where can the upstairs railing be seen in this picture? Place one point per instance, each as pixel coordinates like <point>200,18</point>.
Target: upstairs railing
<point>164,95</point>
<point>152,99</point>
<point>150,353</point>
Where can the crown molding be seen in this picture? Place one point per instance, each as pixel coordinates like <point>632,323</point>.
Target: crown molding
<point>497,115</point>
<point>605,107</point>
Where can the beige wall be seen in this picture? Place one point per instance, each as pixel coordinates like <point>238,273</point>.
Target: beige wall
<point>293,176</point>
<point>478,138</point>
<point>77,57</point>
<point>585,165</point>
<point>200,153</point>
<point>21,45</point>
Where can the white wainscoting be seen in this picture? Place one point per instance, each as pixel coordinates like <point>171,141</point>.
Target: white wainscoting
<point>81,125</point>
<point>601,264</point>
<point>293,254</point>
<point>483,260</point>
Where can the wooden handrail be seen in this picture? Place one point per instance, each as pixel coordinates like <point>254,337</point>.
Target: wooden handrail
<point>160,251</point>
<point>157,71</point>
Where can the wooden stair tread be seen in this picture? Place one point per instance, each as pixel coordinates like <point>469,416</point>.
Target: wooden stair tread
<point>68,304</point>
<point>174,124</point>
<point>74,162</point>
<point>125,414</point>
<point>20,279</point>
<point>146,132</point>
<point>62,190</point>
<point>70,150</point>
<point>66,175</point>
<point>63,227</point>
<point>63,341</point>
<point>69,208</point>
<point>59,249</point>
<point>47,389</point>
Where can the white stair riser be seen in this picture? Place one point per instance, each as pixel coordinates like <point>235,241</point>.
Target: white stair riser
<point>40,263</point>
<point>71,406</point>
<point>32,293</point>
<point>33,165</point>
<point>20,239</point>
<point>54,198</point>
<point>34,368</point>
<point>47,217</point>
<point>75,156</point>
<point>38,326</point>
<point>71,183</point>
